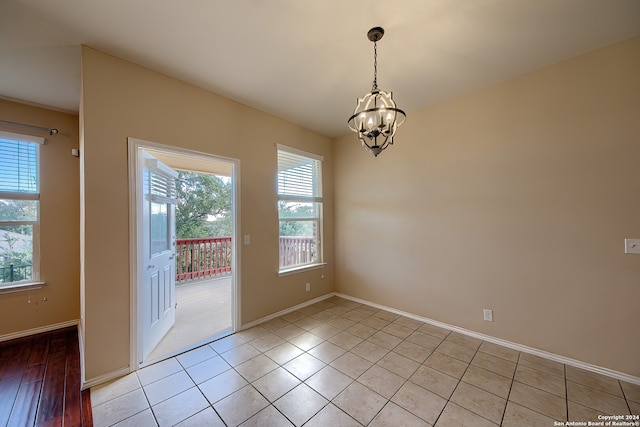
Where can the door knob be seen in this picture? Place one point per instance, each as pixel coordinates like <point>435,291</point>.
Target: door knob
<point>150,267</point>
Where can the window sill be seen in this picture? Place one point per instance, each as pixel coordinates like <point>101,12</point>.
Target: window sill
<point>21,287</point>
<point>300,269</point>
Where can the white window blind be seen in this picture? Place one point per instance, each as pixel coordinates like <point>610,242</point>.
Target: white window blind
<point>18,166</point>
<point>163,188</point>
<point>299,176</point>
<point>162,182</point>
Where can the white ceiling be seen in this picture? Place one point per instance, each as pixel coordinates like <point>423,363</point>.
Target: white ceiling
<point>305,61</point>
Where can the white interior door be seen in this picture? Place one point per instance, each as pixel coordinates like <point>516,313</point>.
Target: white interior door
<point>157,268</point>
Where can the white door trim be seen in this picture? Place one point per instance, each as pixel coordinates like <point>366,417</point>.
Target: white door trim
<point>134,145</point>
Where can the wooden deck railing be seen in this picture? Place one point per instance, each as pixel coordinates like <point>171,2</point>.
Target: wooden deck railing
<point>296,250</point>
<point>202,258</point>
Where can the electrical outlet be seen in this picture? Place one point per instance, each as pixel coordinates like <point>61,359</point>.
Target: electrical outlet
<point>308,287</point>
<point>632,246</point>
<point>488,315</point>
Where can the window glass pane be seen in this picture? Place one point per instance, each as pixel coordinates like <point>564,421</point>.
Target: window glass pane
<point>299,219</point>
<point>299,233</point>
<point>299,228</point>
<point>18,210</point>
<point>298,243</point>
<point>159,227</point>
<point>16,253</point>
<point>18,166</point>
<point>297,209</point>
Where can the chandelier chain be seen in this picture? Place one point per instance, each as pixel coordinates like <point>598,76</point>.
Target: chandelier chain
<point>375,65</point>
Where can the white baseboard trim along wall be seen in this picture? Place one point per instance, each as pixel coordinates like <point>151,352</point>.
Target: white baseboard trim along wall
<point>106,378</point>
<point>35,331</point>
<point>286,311</point>
<point>519,347</point>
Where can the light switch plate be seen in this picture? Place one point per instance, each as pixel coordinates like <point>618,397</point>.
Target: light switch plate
<point>632,246</point>
<point>247,239</point>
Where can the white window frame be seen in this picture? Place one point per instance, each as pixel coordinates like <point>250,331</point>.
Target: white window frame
<point>34,282</point>
<point>317,198</point>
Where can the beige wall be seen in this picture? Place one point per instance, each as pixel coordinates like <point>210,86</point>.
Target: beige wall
<point>59,300</point>
<point>123,100</point>
<point>515,198</point>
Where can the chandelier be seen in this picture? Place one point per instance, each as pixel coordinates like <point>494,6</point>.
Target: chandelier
<point>376,116</point>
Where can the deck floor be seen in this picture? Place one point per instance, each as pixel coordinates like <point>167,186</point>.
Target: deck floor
<point>203,314</point>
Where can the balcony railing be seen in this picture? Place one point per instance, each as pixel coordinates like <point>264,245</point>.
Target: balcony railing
<point>297,250</point>
<point>211,256</point>
<point>15,273</point>
<point>202,258</point>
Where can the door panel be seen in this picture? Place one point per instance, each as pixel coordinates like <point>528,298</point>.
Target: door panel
<point>157,247</point>
<point>154,289</point>
<point>169,288</point>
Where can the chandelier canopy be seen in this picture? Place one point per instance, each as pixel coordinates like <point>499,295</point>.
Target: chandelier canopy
<point>376,117</point>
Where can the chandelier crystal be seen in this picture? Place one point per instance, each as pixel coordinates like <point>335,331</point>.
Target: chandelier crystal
<point>376,117</point>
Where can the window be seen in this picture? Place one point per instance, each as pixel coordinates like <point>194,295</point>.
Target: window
<point>19,208</point>
<point>162,194</point>
<point>299,208</point>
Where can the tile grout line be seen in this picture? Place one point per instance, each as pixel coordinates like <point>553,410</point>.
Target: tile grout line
<point>396,392</point>
<point>144,392</point>
<point>459,379</point>
<point>354,380</point>
<point>301,382</point>
<point>403,384</point>
<point>405,380</point>
<point>565,398</point>
<point>624,396</point>
<point>513,379</point>
<point>442,340</point>
<point>198,385</point>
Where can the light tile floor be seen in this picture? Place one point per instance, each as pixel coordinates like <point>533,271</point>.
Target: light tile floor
<point>341,363</point>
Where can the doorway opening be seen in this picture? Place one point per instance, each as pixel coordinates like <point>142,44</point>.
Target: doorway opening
<point>185,248</point>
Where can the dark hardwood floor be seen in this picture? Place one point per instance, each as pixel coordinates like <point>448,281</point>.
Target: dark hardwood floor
<point>40,381</point>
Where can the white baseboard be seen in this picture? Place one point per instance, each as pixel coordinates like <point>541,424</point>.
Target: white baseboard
<point>41,329</point>
<point>125,371</point>
<point>285,311</point>
<point>105,378</point>
<point>519,347</point>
